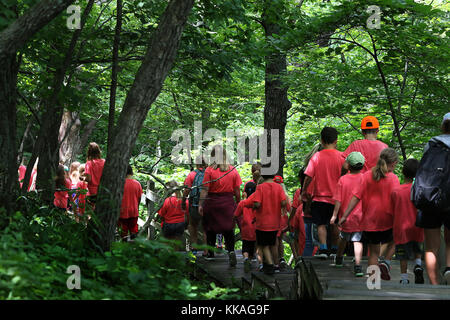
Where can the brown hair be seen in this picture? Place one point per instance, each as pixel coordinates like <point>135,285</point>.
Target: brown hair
<point>93,151</point>
<point>172,185</point>
<point>219,150</point>
<point>387,156</point>
<point>60,179</point>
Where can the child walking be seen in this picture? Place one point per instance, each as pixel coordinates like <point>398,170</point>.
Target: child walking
<point>62,185</point>
<point>129,210</point>
<point>377,221</point>
<point>269,200</point>
<point>407,237</point>
<point>350,230</point>
<point>325,168</point>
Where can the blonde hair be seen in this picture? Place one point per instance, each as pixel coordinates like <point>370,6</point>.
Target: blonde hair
<point>387,156</point>
<point>220,151</point>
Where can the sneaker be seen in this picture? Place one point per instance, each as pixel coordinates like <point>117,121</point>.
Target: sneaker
<point>358,271</point>
<point>269,269</point>
<point>447,275</point>
<point>339,262</point>
<point>418,275</point>
<point>322,253</point>
<point>384,268</point>
<point>232,257</point>
<point>404,281</point>
<point>283,264</point>
<point>247,265</point>
<point>209,256</point>
<point>333,252</point>
<point>261,268</point>
<point>276,268</point>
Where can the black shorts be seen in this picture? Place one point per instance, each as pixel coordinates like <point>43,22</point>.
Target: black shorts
<point>408,251</point>
<point>266,238</point>
<point>194,216</point>
<point>249,247</point>
<point>321,212</point>
<point>173,229</point>
<point>377,237</point>
<point>432,220</point>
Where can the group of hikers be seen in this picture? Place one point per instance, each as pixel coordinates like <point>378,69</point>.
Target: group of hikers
<point>346,197</point>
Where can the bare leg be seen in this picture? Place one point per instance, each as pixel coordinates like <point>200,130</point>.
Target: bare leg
<point>388,250</point>
<point>403,266</point>
<point>267,252</point>
<point>322,233</point>
<point>432,244</point>
<point>334,235</point>
<point>274,251</point>
<point>374,254</point>
<point>447,245</point>
<point>341,247</point>
<point>358,249</point>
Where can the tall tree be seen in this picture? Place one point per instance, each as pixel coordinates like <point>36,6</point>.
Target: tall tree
<point>12,39</point>
<point>158,61</point>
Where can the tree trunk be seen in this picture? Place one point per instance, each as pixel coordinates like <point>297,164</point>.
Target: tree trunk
<point>69,136</point>
<point>147,85</point>
<point>12,39</point>
<point>277,103</point>
<point>115,65</point>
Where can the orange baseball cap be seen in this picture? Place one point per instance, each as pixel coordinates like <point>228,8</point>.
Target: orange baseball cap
<point>370,122</point>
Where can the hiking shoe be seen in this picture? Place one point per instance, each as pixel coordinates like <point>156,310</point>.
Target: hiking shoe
<point>358,271</point>
<point>404,281</point>
<point>209,256</point>
<point>269,269</point>
<point>247,265</point>
<point>283,264</point>
<point>322,254</point>
<point>338,262</point>
<point>447,275</point>
<point>232,257</point>
<point>333,252</point>
<point>418,275</point>
<point>384,268</point>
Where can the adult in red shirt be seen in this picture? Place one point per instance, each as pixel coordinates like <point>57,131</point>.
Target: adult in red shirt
<point>407,237</point>
<point>377,221</point>
<point>325,168</point>
<point>370,147</point>
<point>93,171</point>
<point>218,201</point>
<point>270,201</point>
<point>129,210</point>
<point>194,217</point>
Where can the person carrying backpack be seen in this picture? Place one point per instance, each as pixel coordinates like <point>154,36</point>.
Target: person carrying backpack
<point>431,196</point>
<point>193,183</point>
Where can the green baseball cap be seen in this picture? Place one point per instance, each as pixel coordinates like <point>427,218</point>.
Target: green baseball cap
<point>355,158</point>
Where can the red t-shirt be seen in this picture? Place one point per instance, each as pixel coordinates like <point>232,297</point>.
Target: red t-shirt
<point>284,219</point>
<point>298,224</point>
<point>190,179</point>
<point>228,183</point>
<point>22,170</point>
<point>171,211</point>
<point>61,197</point>
<point>82,189</point>
<point>268,215</point>
<point>247,219</point>
<point>370,149</point>
<point>32,184</point>
<point>95,169</point>
<point>296,199</point>
<point>132,192</point>
<point>325,167</point>
<point>344,193</point>
<point>376,201</point>
<point>405,215</point>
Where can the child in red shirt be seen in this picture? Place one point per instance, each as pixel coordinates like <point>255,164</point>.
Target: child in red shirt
<point>62,185</point>
<point>93,171</point>
<point>377,221</point>
<point>175,219</point>
<point>81,192</point>
<point>129,210</point>
<point>284,226</point>
<point>325,168</point>
<point>407,237</point>
<point>269,201</point>
<point>246,217</point>
<point>297,226</point>
<point>351,230</point>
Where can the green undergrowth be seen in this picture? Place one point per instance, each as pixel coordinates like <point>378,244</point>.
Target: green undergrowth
<point>39,244</point>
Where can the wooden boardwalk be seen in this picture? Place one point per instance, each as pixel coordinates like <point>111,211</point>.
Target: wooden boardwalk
<point>315,278</point>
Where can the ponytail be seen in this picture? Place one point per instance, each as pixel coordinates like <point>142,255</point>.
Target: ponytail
<point>172,185</point>
<point>387,157</point>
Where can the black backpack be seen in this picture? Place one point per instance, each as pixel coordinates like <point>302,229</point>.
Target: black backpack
<point>431,188</point>
<point>194,196</point>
